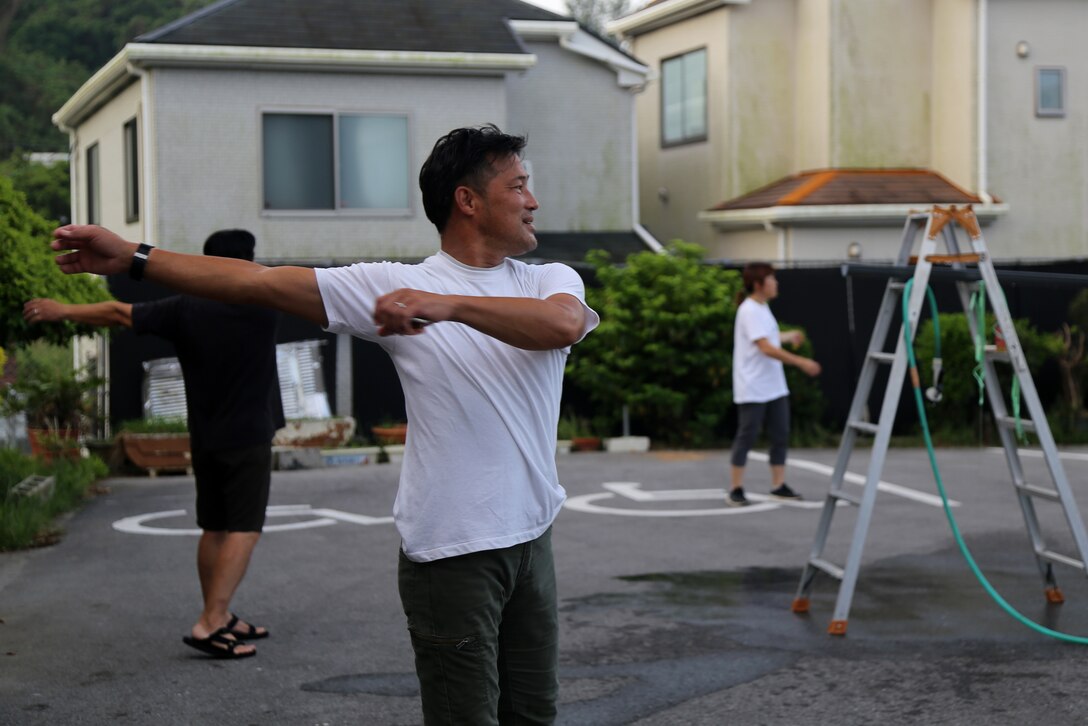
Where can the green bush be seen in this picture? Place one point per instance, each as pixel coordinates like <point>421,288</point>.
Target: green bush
<point>30,272</point>
<point>25,522</point>
<point>664,348</point>
<point>959,407</point>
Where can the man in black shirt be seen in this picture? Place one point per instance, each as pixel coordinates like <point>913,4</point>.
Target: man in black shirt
<point>228,360</point>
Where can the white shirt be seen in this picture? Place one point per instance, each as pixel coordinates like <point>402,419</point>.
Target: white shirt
<point>757,377</point>
<point>479,464</point>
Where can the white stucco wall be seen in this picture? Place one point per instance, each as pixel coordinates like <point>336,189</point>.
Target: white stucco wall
<point>1039,166</point>
<point>580,127</point>
<point>691,177</point>
<point>207,130</point>
<point>106,128</point>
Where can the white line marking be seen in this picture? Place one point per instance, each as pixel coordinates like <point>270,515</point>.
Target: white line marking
<point>900,491</point>
<point>322,518</point>
<point>1038,454</point>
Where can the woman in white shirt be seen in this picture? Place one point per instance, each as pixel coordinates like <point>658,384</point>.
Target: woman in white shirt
<point>759,381</point>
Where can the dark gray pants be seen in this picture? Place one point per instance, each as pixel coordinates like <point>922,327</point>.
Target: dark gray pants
<point>750,418</point>
<point>485,631</point>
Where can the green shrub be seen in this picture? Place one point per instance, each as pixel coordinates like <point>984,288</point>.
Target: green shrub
<point>155,426</point>
<point>664,348</point>
<point>30,272</point>
<point>24,521</point>
<point>959,408</point>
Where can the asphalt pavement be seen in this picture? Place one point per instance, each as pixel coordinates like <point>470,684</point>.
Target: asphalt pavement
<point>675,609</point>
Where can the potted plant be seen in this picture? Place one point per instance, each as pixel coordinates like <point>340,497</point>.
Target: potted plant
<point>577,430</point>
<point>390,433</point>
<point>56,397</point>
<point>157,444</point>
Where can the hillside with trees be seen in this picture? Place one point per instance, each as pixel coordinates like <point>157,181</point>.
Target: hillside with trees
<point>48,49</point>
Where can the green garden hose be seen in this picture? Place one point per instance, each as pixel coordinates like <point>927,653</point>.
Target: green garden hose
<point>940,484</point>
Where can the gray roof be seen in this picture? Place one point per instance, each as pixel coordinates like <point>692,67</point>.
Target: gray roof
<point>451,26</point>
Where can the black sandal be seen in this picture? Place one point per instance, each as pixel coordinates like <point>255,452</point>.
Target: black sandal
<point>218,645</point>
<point>250,634</point>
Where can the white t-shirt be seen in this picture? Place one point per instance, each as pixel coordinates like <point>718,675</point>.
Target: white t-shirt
<point>757,377</point>
<point>479,463</point>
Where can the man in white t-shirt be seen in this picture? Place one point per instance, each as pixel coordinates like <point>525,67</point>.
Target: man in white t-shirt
<point>759,381</point>
<point>480,342</point>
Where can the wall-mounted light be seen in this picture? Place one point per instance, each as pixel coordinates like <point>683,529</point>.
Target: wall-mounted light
<point>853,250</point>
<point>1023,50</point>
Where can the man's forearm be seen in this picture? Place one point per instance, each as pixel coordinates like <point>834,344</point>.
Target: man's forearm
<point>290,289</point>
<point>525,323</point>
<point>103,314</point>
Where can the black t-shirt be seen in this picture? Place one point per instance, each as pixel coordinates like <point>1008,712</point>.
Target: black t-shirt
<point>228,359</point>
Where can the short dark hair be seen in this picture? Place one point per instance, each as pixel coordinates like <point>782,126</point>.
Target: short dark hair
<point>755,272</point>
<point>463,157</point>
<point>237,243</point>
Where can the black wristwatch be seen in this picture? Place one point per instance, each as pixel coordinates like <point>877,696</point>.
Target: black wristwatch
<point>139,261</point>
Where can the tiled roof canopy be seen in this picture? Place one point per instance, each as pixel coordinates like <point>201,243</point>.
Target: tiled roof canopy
<point>465,26</point>
<point>854,186</point>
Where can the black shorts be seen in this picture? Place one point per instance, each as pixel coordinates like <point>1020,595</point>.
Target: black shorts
<point>232,488</point>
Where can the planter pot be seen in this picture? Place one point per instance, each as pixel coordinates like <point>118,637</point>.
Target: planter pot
<point>158,452</point>
<point>49,444</point>
<point>585,443</point>
<point>390,434</point>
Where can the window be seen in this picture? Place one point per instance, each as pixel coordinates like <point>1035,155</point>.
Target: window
<point>683,98</point>
<point>132,173</point>
<point>94,210</point>
<point>1050,92</point>
<point>342,162</point>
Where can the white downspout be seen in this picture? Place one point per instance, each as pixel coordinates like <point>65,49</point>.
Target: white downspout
<point>983,141</point>
<point>145,147</point>
<point>636,206</point>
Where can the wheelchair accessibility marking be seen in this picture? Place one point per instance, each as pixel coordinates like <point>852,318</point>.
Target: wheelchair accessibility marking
<point>321,518</point>
<point>633,492</point>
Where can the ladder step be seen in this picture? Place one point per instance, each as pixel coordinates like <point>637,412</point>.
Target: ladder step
<point>845,496</point>
<point>1010,422</point>
<point>896,285</point>
<point>993,353</point>
<point>828,567</point>
<point>881,356</point>
<point>869,428</point>
<point>1059,558</point>
<point>1039,492</point>
<point>969,259</point>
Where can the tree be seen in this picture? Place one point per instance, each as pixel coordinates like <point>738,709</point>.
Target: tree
<point>46,186</point>
<point>595,14</point>
<point>27,271</point>
<point>664,346</point>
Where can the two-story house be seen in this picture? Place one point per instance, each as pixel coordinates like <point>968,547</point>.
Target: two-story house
<point>798,130</point>
<point>306,122</point>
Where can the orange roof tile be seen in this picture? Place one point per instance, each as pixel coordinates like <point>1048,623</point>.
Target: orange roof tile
<point>854,186</point>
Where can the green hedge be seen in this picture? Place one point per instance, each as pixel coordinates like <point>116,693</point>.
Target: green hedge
<point>25,522</point>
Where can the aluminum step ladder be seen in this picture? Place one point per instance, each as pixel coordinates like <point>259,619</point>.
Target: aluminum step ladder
<point>938,226</point>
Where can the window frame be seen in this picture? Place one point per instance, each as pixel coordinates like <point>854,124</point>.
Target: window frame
<point>131,138</point>
<point>93,159</point>
<point>1041,112</point>
<point>337,210</point>
<point>684,140</point>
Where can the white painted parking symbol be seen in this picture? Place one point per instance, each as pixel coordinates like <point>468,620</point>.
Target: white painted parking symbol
<point>632,493</point>
<point>315,518</point>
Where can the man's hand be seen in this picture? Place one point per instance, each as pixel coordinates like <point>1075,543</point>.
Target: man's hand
<point>43,310</point>
<point>90,248</point>
<point>408,312</point>
<point>792,337</point>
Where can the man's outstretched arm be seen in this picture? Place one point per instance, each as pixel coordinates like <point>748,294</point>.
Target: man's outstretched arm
<point>104,314</point>
<point>529,323</point>
<point>90,248</point>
